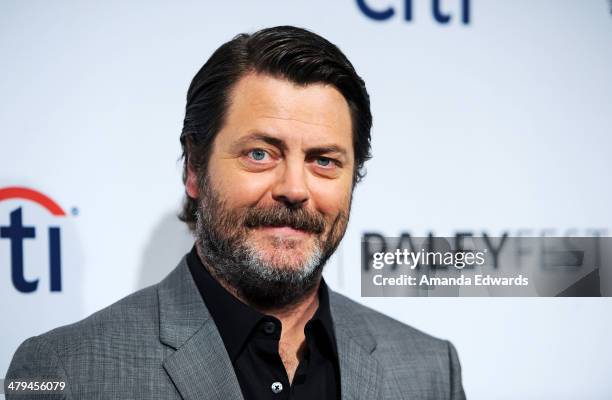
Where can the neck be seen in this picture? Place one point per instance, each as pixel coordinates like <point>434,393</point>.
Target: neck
<point>293,319</point>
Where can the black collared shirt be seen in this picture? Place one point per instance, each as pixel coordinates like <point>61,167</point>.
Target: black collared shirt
<point>251,340</point>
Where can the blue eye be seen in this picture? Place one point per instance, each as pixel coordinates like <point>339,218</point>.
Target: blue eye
<point>258,154</point>
<point>324,162</point>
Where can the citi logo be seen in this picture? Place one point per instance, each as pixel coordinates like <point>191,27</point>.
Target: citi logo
<point>18,233</point>
<point>438,12</point>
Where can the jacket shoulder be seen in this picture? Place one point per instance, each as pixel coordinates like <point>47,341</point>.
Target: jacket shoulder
<point>127,325</point>
<point>135,314</point>
<point>406,353</point>
<point>388,330</point>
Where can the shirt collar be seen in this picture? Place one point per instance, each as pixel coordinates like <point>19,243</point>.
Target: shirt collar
<point>236,320</point>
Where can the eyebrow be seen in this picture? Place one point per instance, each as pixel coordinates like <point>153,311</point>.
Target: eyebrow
<point>327,150</point>
<point>279,143</point>
<point>262,137</point>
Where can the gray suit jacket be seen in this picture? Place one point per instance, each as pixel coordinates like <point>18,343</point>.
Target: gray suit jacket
<point>161,343</point>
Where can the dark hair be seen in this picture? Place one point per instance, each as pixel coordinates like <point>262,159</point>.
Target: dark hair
<point>286,52</point>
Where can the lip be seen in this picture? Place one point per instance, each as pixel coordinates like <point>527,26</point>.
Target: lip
<point>284,231</point>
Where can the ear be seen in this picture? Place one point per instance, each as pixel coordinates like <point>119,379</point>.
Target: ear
<point>191,183</point>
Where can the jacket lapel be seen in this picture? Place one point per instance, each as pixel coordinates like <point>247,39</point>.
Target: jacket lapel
<point>360,373</point>
<point>200,367</point>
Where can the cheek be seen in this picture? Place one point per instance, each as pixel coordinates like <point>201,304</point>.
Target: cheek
<point>238,188</point>
<point>332,197</point>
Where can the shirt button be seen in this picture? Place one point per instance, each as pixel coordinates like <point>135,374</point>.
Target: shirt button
<point>269,328</point>
<point>277,387</point>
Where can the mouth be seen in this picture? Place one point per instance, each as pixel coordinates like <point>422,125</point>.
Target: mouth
<point>283,231</point>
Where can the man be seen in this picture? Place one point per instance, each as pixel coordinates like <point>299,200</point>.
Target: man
<point>276,133</point>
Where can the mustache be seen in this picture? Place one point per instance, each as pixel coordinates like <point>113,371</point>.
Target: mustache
<point>277,216</point>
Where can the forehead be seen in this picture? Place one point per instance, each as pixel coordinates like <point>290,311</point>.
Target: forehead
<point>311,114</point>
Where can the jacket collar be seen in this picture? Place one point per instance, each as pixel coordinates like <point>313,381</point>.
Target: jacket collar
<point>201,368</point>
<point>236,321</point>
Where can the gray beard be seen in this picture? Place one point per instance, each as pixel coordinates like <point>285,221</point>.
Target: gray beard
<point>232,261</point>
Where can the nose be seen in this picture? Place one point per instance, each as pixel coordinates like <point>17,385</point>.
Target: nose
<point>291,187</point>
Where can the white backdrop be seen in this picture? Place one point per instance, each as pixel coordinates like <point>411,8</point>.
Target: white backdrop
<point>498,125</point>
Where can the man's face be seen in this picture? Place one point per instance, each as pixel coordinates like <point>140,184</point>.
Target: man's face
<point>278,187</point>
